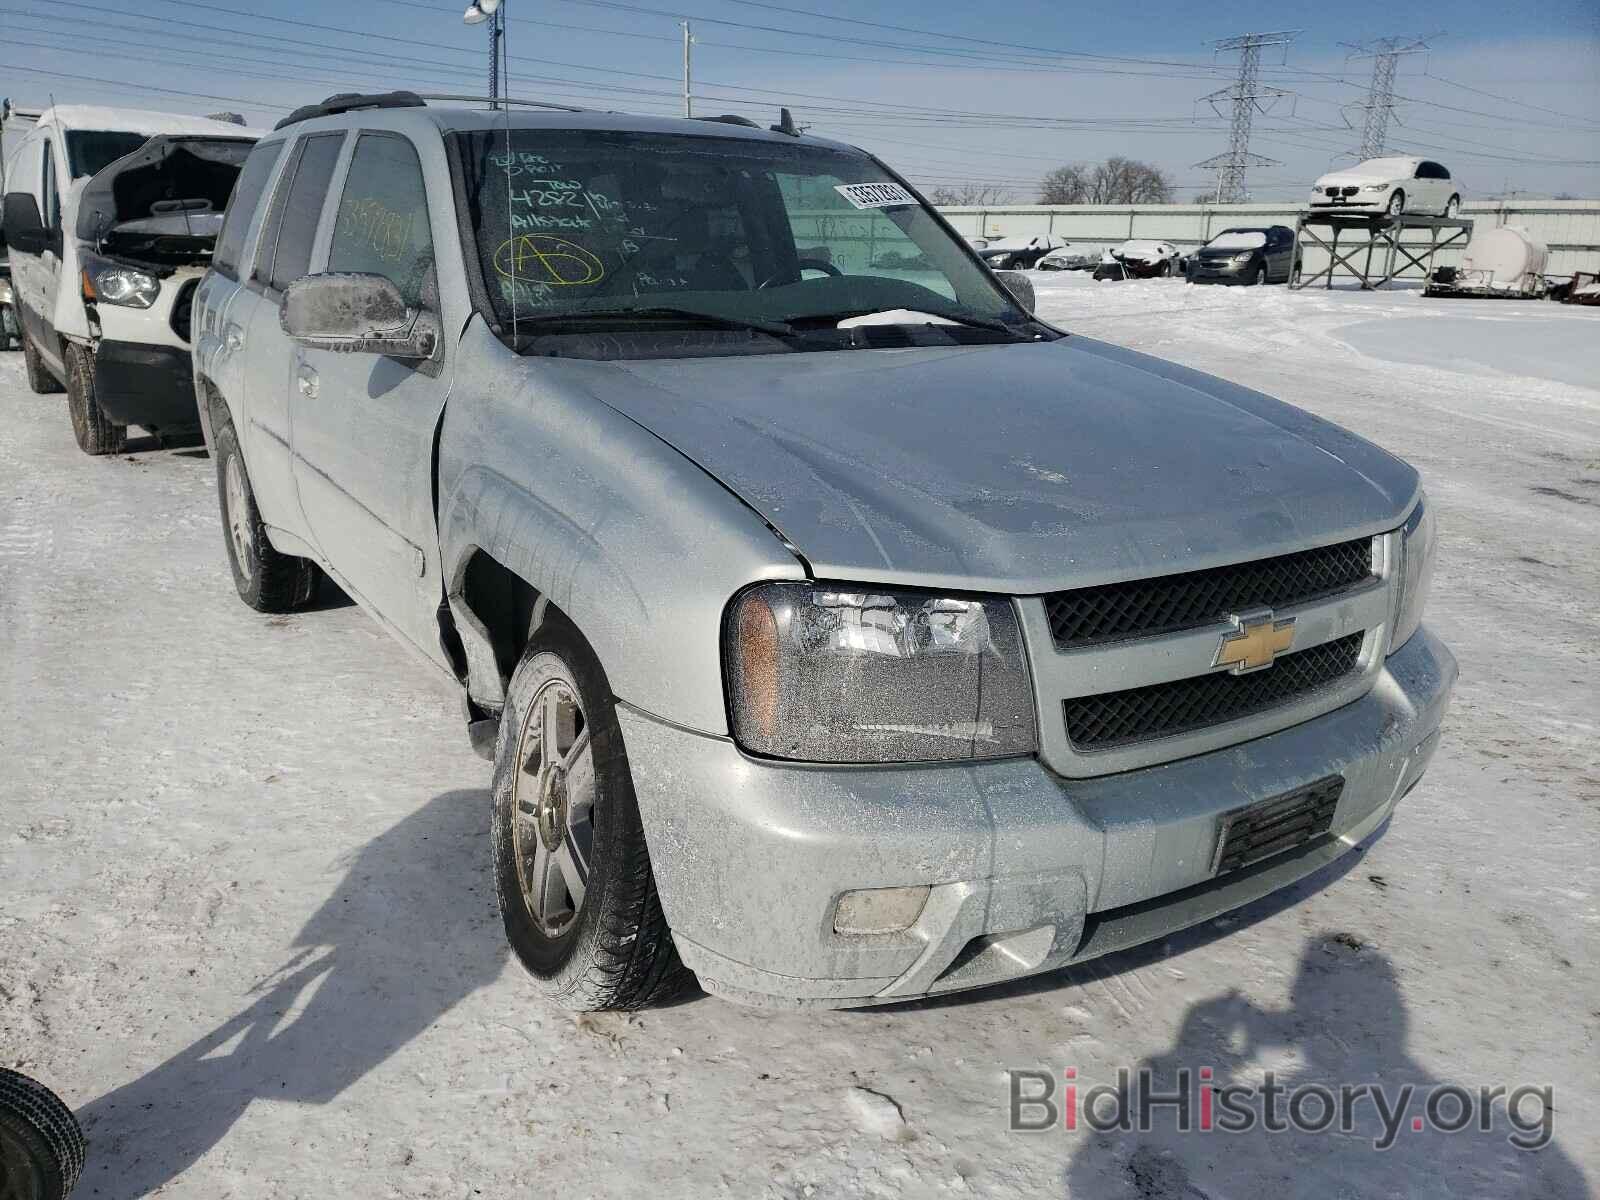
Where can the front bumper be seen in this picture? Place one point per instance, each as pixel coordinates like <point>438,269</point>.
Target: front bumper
<point>1225,271</point>
<point>153,386</point>
<point>1028,871</point>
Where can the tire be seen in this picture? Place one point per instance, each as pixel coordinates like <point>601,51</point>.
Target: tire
<point>1258,276</point>
<point>39,378</point>
<point>267,580</point>
<point>41,1145</point>
<point>1452,207</point>
<point>95,432</point>
<point>608,945</point>
<point>1397,203</point>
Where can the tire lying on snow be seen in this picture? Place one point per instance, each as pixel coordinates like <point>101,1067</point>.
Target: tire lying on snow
<point>41,1145</point>
<point>572,871</point>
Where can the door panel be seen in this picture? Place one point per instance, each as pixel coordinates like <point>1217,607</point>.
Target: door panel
<point>363,423</point>
<point>283,255</point>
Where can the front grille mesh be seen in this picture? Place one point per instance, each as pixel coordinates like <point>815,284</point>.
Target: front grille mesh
<point>1160,710</point>
<point>1143,607</point>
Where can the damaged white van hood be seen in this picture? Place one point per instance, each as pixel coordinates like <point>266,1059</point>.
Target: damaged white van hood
<point>1016,468</point>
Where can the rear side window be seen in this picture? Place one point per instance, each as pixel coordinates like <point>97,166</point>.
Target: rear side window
<point>285,253</point>
<point>247,191</point>
<point>382,226</point>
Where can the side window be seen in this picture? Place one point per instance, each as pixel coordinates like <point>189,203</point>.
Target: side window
<point>247,190</point>
<point>52,197</point>
<point>382,226</point>
<point>285,253</point>
<point>1439,172</point>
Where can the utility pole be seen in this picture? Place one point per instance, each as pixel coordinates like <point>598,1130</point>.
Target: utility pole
<point>688,42</point>
<point>1244,99</point>
<point>494,13</point>
<point>1386,54</point>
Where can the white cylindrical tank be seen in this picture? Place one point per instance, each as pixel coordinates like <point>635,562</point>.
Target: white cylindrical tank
<point>1505,256</point>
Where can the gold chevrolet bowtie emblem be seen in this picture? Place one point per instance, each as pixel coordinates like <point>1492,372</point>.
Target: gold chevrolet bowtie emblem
<point>1257,640</point>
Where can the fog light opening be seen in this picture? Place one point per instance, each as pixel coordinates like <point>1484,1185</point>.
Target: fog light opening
<point>879,910</point>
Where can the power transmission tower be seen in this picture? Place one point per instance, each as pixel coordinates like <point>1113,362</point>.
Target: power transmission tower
<point>1385,54</point>
<point>1245,98</point>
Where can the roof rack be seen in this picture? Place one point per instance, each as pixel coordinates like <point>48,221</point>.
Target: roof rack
<point>349,102</point>
<point>493,100</point>
<point>730,119</point>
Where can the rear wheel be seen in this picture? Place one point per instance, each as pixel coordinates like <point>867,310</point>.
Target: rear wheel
<point>39,378</point>
<point>41,1145</point>
<point>267,580</point>
<point>96,433</point>
<point>1397,204</point>
<point>576,890</point>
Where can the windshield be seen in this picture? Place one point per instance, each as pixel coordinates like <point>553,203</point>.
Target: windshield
<point>90,151</point>
<point>1238,239</point>
<point>580,229</point>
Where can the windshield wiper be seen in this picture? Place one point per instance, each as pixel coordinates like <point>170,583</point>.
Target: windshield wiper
<point>654,312</point>
<point>967,319</point>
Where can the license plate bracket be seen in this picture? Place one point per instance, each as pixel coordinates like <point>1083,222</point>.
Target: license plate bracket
<point>1258,831</point>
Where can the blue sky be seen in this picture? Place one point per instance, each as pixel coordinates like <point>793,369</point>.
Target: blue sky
<point>1508,96</point>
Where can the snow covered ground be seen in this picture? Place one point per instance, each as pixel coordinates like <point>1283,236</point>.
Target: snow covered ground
<point>246,927</point>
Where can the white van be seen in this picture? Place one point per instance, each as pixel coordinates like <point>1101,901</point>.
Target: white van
<point>110,218</point>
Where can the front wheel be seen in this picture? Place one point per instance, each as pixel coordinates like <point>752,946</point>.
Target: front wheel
<point>1397,204</point>
<point>268,581</point>
<point>1452,207</point>
<point>95,432</point>
<point>572,871</point>
<point>1258,276</point>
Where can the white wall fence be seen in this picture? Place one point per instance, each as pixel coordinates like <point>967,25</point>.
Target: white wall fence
<point>1570,228</point>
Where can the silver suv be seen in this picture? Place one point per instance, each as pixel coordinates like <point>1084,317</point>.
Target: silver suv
<point>841,632</point>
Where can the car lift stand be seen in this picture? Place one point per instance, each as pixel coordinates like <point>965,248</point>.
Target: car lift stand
<point>1378,235</point>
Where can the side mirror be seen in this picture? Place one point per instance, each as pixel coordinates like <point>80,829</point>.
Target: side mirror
<point>1020,287</point>
<point>24,227</point>
<point>357,314</point>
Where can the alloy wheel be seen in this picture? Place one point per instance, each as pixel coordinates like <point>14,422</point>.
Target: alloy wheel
<point>239,530</point>
<point>553,797</point>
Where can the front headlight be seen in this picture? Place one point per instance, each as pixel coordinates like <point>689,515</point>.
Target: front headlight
<point>1417,542</point>
<point>1240,260</point>
<point>114,283</point>
<point>1376,187</point>
<point>841,673</point>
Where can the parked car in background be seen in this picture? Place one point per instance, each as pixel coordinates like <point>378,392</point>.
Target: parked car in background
<point>794,673</point>
<point>1391,186</point>
<point>1248,256</point>
<point>1139,259</point>
<point>1070,258</point>
<point>110,216</point>
<point>1017,254</point>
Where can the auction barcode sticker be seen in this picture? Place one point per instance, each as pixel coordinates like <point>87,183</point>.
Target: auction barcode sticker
<point>874,195</point>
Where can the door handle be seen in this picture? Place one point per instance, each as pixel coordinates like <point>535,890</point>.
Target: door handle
<point>308,383</point>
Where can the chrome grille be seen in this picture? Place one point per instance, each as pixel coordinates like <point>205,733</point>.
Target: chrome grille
<point>1111,719</point>
<point>1143,607</point>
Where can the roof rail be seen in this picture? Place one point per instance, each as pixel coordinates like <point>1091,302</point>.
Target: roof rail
<point>493,100</point>
<point>729,119</point>
<point>349,102</point>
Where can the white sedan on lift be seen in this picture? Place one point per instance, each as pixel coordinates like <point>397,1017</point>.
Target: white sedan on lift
<point>1389,185</point>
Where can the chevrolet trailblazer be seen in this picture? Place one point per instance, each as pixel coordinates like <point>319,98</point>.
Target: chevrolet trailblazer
<point>840,631</point>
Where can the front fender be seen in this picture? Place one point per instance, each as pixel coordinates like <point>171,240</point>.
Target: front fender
<point>637,545</point>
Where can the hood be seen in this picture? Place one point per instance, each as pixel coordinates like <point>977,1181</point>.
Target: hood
<point>1016,469</point>
<point>163,201</point>
<point>1376,170</point>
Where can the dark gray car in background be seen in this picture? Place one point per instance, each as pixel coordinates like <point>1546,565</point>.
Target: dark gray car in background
<point>1248,255</point>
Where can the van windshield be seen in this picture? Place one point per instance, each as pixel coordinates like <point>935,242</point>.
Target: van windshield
<point>90,151</point>
<point>604,230</point>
